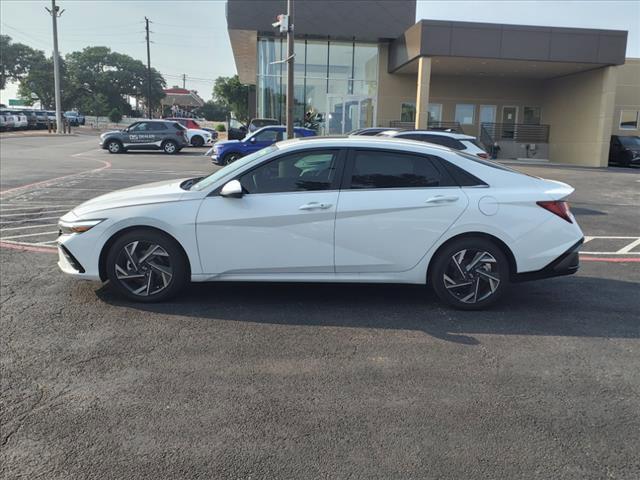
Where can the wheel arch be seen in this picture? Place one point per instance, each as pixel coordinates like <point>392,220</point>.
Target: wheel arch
<point>513,269</point>
<point>102,259</point>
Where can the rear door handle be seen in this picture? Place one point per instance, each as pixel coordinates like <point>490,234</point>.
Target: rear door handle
<point>442,199</point>
<point>315,206</point>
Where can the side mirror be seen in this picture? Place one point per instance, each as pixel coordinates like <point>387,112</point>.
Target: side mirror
<point>232,189</point>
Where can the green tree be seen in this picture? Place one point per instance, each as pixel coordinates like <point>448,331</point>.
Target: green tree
<point>213,111</point>
<point>16,60</point>
<point>39,82</point>
<point>115,116</point>
<point>233,95</point>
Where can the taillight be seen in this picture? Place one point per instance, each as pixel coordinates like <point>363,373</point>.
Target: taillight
<point>557,207</point>
<point>483,155</point>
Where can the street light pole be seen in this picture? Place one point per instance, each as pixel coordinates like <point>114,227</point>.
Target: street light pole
<point>290,63</point>
<point>56,65</point>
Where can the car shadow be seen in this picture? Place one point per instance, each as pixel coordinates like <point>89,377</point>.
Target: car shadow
<point>570,306</point>
<point>191,152</point>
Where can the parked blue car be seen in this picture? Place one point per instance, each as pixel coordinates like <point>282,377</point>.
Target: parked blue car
<point>225,152</point>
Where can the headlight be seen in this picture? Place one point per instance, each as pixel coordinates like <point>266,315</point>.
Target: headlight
<point>77,226</point>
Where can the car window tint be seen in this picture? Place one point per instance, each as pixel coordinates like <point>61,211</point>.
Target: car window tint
<point>159,126</point>
<point>311,170</point>
<point>140,127</point>
<point>386,169</point>
<point>268,136</point>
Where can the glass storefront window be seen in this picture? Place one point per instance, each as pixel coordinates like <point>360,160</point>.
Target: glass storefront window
<point>435,112</point>
<point>531,115</point>
<point>334,81</point>
<point>465,113</point>
<point>408,113</point>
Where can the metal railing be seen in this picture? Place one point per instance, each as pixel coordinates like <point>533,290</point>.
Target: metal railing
<point>517,132</point>
<point>453,126</point>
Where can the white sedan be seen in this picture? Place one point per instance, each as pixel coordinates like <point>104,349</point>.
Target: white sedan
<point>357,209</point>
<point>199,138</point>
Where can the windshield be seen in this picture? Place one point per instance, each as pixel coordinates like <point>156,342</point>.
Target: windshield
<point>231,168</point>
<point>630,141</point>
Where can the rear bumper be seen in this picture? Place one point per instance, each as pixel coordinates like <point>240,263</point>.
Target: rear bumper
<point>566,264</point>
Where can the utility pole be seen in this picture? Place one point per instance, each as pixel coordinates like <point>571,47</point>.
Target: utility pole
<point>55,13</point>
<point>148,69</point>
<point>284,24</point>
<point>290,59</point>
<point>184,80</point>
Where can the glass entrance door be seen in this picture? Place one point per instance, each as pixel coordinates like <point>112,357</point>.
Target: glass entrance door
<point>509,118</point>
<point>348,112</point>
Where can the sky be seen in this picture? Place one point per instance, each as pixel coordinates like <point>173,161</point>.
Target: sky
<point>190,37</point>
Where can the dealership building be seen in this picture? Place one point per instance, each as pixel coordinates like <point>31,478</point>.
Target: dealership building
<point>538,92</point>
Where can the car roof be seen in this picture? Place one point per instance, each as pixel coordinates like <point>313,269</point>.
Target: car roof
<point>457,136</point>
<point>362,142</point>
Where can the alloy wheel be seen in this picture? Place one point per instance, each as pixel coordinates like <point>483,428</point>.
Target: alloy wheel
<point>471,276</point>
<point>143,268</point>
<point>114,147</point>
<point>170,147</point>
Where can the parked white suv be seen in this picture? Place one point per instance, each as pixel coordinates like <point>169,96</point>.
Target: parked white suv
<point>457,141</point>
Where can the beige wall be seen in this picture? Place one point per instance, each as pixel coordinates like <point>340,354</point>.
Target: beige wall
<point>393,89</point>
<point>451,90</point>
<point>627,93</point>
<point>579,108</point>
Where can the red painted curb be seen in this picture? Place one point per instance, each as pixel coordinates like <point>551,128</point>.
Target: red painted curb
<point>28,248</point>
<point>106,165</point>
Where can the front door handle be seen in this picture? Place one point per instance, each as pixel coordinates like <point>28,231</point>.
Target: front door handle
<point>442,199</point>
<point>315,206</point>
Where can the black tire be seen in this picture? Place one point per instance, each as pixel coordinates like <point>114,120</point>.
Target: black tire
<point>230,158</point>
<point>475,288</point>
<point>170,147</point>
<point>156,274</point>
<point>114,146</point>
<point>197,141</point>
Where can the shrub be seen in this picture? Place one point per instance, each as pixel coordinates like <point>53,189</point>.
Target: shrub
<point>220,128</point>
<point>115,116</point>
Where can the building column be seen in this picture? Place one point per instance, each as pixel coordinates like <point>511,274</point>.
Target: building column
<point>422,94</point>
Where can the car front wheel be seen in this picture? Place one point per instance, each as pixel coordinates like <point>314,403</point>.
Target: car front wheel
<point>197,141</point>
<point>114,146</point>
<point>170,147</point>
<point>470,273</point>
<point>230,158</point>
<point>146,266</point>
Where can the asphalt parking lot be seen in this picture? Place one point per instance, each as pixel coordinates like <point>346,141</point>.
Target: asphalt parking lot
<point>309,381</point>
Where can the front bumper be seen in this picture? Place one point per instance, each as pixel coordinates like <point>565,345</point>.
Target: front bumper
<point>566,264</point>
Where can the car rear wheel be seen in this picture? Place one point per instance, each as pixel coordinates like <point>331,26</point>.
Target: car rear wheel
<point>114,146</point>
<point>197,141</point>
<point>230,158</point>
<point>470,273</point>
<point>170,147</point>
<point>146,266</point>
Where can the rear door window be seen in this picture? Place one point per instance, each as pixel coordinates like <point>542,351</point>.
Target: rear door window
<point>391,169</point>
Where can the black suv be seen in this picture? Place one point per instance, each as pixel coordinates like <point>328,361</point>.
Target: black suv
<point>624,150</point>
<point>169,137</point>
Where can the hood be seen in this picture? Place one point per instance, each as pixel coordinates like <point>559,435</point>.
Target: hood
<point>110,132</point>
<point>157,192</point>
<point>199,130</point>
<point>226,143</point>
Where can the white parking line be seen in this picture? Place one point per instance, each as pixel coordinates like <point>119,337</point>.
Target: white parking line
<point>31,226</point>
<point>2,214</point>
<point>41,207</point>
<point>626,250</point>
<point>30,220</point>
<point>629,247</point>
<point>28,235</point>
